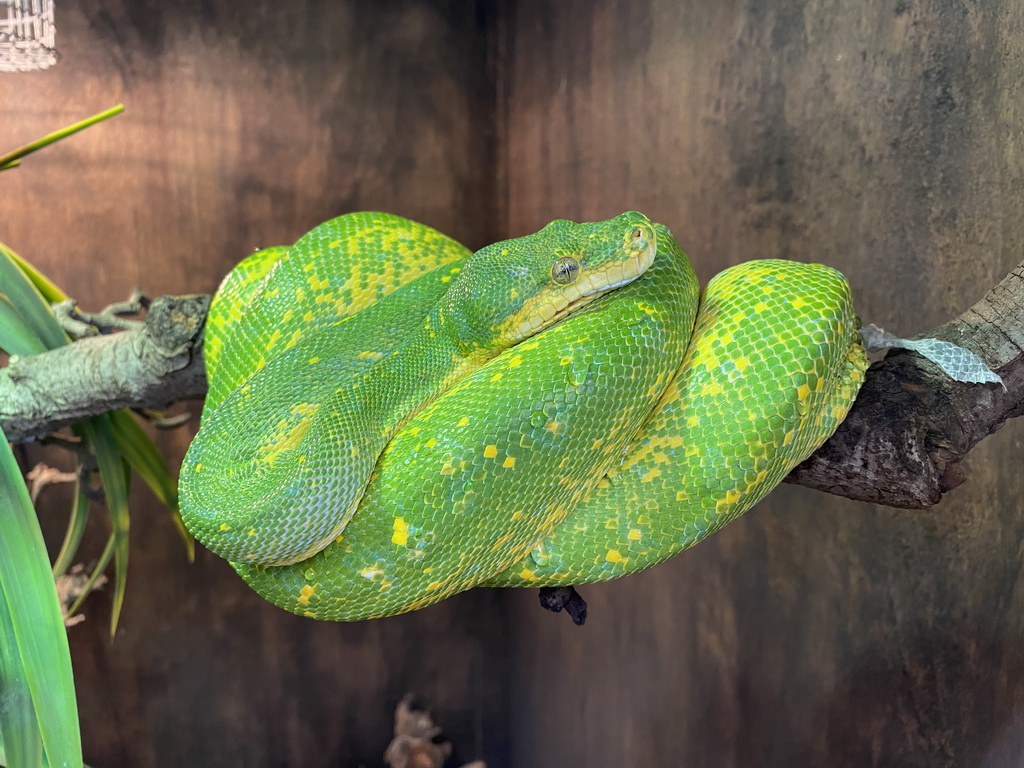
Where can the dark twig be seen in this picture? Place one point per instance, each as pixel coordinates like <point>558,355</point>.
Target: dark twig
<point>556,599</point>
<point>111,318</point>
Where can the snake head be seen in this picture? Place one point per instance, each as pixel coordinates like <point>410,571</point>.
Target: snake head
<point>513,289</point>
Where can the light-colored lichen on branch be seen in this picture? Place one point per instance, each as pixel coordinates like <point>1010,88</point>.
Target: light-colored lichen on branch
<point>155,364</point>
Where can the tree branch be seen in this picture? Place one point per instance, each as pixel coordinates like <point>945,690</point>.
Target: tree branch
<point>903,440</point>
<point>900,446</point>
<point>151,366</point>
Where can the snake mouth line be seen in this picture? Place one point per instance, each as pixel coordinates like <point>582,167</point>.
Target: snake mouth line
<point>585,290</point>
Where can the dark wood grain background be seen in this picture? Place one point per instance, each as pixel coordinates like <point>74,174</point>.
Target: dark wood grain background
<point>248,123</point>
<point>885,138</point>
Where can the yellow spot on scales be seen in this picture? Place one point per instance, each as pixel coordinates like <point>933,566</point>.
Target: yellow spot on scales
<point>614,556</point>
<point>497,376</point>
<point>401,535</point>
<point>431,442</point>
<point>634,534</point>
<point>553,426</point>
<point>798,303</point>
<point>652,473</point>
<point>307,592</point>
<point>225,527</point>
<point>287,437</point>
<point>502,541</point>
<point>711,389</point>
<point>724,505</point>
<point>509,463</point>
<point>293,340</point>
<point>527,575</point>
<point>463,421</point>
<point>490,451</point>
<point>515,361</point>
<point>314,360</point>
<point>273,339</point>
<point>803,392</point>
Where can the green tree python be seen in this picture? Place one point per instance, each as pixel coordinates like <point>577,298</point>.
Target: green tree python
<point>392,420</point>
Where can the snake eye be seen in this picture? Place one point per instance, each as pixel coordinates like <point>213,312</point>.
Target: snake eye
<point>638,233</point>
<point>565,270</point>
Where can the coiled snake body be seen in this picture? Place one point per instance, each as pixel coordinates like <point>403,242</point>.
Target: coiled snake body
<point>352,465</point>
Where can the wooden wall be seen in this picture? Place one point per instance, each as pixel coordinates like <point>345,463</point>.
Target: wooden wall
<point>247,124</point>
<point>884,138</point>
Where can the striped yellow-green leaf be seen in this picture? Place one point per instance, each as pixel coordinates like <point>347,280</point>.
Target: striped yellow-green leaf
<point>46,288</point>
<point>28,302</point>
<point>16,338</point>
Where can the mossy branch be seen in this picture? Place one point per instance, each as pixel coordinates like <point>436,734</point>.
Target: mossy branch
<point>156,363</point>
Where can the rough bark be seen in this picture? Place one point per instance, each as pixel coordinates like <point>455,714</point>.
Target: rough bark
<point>152,366</point>
<point>900,446</point>
<point>903,440</point>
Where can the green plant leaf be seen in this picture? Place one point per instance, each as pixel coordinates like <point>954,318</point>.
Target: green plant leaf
<point>35,641</point>
<point>16,338</point>
<point>11,158</point>
<point>101,565</point>
<point>114,474</point>
<point>28,302</point>
<point>18,727</point>
<point>73,535</point>
<point>140,451</point>
<point>42,283</point>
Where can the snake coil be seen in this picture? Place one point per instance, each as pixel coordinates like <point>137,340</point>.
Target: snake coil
<point>623,433</point>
